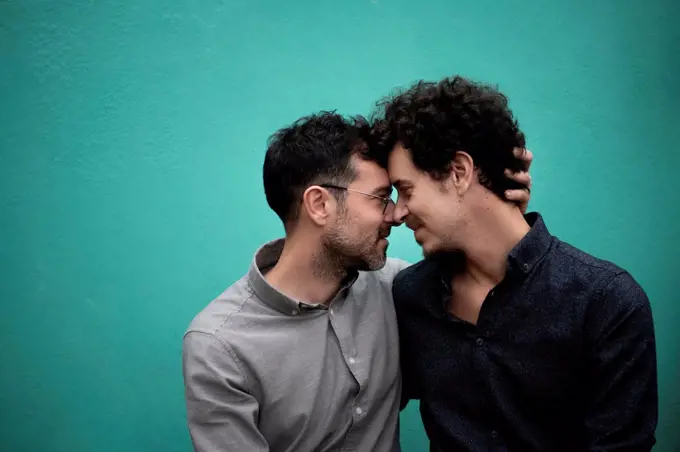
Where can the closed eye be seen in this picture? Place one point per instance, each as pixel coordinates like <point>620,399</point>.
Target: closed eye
<point>404,192</point>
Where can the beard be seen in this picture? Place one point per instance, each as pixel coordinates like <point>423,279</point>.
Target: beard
<point>347,247</point>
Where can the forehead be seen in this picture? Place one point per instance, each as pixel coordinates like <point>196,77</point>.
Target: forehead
<point>400,165</point>
<point>369,174</point>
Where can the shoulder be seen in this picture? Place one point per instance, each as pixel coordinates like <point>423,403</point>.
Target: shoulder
<point>415,284</point>
<point>379,282</point>
<point>216,335</point>
<point>577,257</point>
<point>414,277</point>
<point>393,267</point>
<point>215,317</point>
<point>577,264</point>
<point>385,275</point>
<point>621,296</point>
<point>614,290</point>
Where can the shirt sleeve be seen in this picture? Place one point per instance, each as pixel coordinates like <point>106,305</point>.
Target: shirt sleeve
<point>222,412</point>
<point>622,405</point>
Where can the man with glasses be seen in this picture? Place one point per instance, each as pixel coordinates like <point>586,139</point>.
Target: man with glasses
<point>302,353</point>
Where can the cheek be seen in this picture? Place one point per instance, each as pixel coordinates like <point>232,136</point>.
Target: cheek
<point>421,207</point>
<point>372,226</point>
<point>411,203</point>
<point>364,226</point>
<point>433,211</point>
<point>373,218</point>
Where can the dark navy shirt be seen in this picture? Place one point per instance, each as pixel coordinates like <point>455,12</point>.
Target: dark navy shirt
<point>562,357</point>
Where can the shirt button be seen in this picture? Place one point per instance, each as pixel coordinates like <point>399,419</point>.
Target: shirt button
<point>331,311</point>
<point>359,410</point>
<point>526,266</point>
<point>351,360</point>
<point>480,341</point>
<point>295,312</point>
<point>494,434</point>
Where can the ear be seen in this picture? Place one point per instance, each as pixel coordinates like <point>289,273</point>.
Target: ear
<point>462,172</point>
<point>318,204</point>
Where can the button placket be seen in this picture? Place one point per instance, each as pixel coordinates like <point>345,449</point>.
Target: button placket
<point>341,330</point>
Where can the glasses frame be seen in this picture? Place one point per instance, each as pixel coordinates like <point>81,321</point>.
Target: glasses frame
<point>386,201</point>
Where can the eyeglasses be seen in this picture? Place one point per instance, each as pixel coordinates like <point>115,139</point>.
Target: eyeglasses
<point>385,201</point>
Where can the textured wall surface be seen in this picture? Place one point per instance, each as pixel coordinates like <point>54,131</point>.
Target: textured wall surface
<point>131,141</point>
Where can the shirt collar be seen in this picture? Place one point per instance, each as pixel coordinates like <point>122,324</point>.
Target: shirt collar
<point>533,246</point>
<point>523,257</point>
<point>264,260</point>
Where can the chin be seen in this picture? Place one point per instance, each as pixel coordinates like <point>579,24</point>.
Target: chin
<point>379,261</point>
<point>378,265</point>
<point>432,249</point>
<point>370,265</point>
<point>373,261</point>
<point>424,244</point>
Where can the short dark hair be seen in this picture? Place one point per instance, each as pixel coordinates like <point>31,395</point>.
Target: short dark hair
<point>434,120</point>
<point>314,149</point>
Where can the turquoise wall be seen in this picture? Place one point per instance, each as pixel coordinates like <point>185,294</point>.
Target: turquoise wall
<point>131,141</point>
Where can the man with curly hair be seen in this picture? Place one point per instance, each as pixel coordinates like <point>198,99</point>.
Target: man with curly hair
<point>510,338</point>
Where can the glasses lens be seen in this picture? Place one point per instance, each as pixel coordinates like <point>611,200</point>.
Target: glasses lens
<point>389,203</point>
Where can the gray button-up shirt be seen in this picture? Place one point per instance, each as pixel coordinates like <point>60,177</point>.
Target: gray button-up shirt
<point>264,372</point>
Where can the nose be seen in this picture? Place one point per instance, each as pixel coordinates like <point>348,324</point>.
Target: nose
<point>398,212</point>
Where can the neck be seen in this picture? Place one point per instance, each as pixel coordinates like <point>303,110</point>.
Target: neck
<point>495,232</point>
<point>305,273</point>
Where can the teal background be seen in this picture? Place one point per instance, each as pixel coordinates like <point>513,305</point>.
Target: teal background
<point>131,141</point>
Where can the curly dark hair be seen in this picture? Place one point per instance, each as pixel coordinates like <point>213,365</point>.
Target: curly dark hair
<point>314,149</point>
<point>434,120</point>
